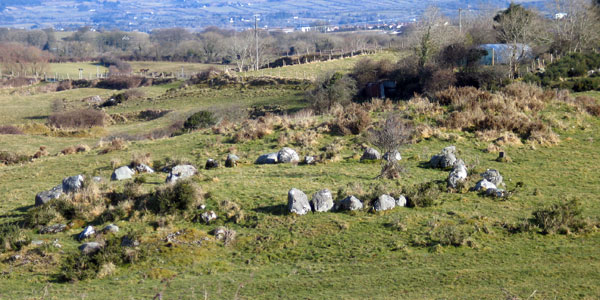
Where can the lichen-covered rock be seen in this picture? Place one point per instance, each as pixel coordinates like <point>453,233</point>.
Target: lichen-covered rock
<point>350,203</point>
<point>484,185</point>
<point>90,248</point>
<point>401,201</point>
<point>322,201</point>
<point>287,155</point>
<point>446,159</point>
<point>110,228</point>
<point>298,202</point>
<point>72,184</point>
<point>86,233</point>
<point>384,202</point>
<point>267,159</point>
<point>122,173</point>
<point>459,174</point>
<point>208,216</point>
<point>56,228</point>
<point>392,156</point>
<point>309,160</point>
<point>45,196</point>
<point>493,176</point>
<point>231,160</point>
<point>142,168</point>
<point>370,154</point>
<point>181,172</point>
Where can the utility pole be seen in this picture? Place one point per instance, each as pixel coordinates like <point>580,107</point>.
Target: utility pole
<point>256,38</point>
<point>460,20</point>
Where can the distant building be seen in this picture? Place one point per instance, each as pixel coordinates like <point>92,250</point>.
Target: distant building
<point>501,53</point>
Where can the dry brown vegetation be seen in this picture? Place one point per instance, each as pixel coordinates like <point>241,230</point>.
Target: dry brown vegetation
<point>8,129</point>
<point>114,145</point>
<point>83,118</point>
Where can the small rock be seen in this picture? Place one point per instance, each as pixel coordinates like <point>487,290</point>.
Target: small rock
<point>498,193</point>
<point>458,174</point>
<point>181,172</point>
<point>87,232</point>
<point>493,176</point>
<point>143,168</point>
<point>350,203</point>
<point>287,155</point>
<point>110,228</point>
<point>322,201</point>
<point>392,156</point>
<point>72,184</point>
<point>44,197</point>
<point>298,202</point>
<point>401,201</point>
<point>90,248</point>
<point>370,154</point>
<point>231,161</point>
<point>209,216</point>
<point>97,179</point>
<point>56,228</point>
<point>56,244</point>
<point>267,159</point>
<point>309,160</point>
<point>384,202</point>
<point>211,164</point>
<point>122,173</point>
<point>37,242</point>
<point>484,185</point>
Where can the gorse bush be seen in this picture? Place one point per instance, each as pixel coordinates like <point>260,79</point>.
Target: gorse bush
<point>199,120</point>
<point>352,119</point>
<point>423,195</point>
<point>560,217</point>
<point>10,158</point>
<point>331,90</point>
<point>83,118</point>
<point>170,199</point>
<point>12,238</point>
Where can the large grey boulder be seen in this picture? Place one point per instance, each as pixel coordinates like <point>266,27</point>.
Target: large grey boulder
<point>72,184</point>
<point>298,202</point>
<point>90,248</point>
<point>181,172</point>
<point>392,156</point>
<point>401,201</point>
<point>484,185</point>
<point>231,160</point>
<point>122,173</point>
<point>267,159</point>
<point>384,202</point>
<point>350,203</point>
<point>322,201</point>
<point>493,176</point>
<point>287,155</point>
<point>143,168</point>
<point>86,233</point>
<point>444,160</point>
<point>457,175</point>
<point>370,154</point>
<point>45,196</point>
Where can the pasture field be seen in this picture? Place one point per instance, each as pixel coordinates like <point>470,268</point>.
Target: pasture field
<point>277,255</point>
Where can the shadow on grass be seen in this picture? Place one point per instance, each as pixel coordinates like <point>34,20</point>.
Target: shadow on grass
<point>36,118</point>
<point>276,210</point>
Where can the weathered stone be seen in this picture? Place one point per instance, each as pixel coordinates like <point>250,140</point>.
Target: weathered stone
<point>401,201</point>
<point>110,228</point>
<point>350,203</point>
<point>484,185</point>
<point>97,179</point>
<point>143,168</point>
<point>208,216</point>
<point>72,184</point>
<point>86,233</point>
<point>498,193</point>
<point>181,172</point>
<point>37,242</point>
<point>384,202</point>
<point>122,173</point>
<point>127,241</point>
<point>309,160</point>
<point>322,201</point>
<point>458,174</point>
<point>392,156</point>
<point>298,202</point>
<point>493,176</point>
<point>45,196</point>
<point>211,164</point>
<point>370,154</point>
<point>90,248</point>
<point>287,155</point>
<point>231,160</point>
<point>56,228</point>
<point>267,159</point>
<point>446,159</point>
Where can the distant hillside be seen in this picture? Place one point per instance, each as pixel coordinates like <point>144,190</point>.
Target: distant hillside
<point>145,15</point>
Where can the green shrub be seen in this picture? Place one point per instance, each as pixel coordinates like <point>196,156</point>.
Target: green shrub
<point>330,90</point>
<point>449,235</point>
<point>9,158</point>
<point>181,196</point>
<point>559,217</point>
<point>40,215</point>
<point>13,237</point>
<point>423,195</point>
<point>199,120</point>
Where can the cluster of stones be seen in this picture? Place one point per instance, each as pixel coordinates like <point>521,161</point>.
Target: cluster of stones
<point>322,201</point>
<point>373,154</point>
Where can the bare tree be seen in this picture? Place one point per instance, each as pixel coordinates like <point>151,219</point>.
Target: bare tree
<point>393,133</point>
<point>240,48</point>
<point>576,25</point>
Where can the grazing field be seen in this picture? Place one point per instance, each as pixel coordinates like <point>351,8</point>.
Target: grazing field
<point>463,246</point>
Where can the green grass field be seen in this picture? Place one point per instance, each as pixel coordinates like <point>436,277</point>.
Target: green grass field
<point>358,255</point>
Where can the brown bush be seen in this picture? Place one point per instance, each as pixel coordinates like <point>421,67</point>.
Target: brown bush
<point>82,148</point>
<point>114,145</point>
<point>64,85</point>
<point>354,119</point>
<point>41,153</point>
<point>138,159</point>
<point>8,129</point>
<point>10,158</point>
<point>83,118</point>
<point>588,104</point>
<point>69,150</point>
